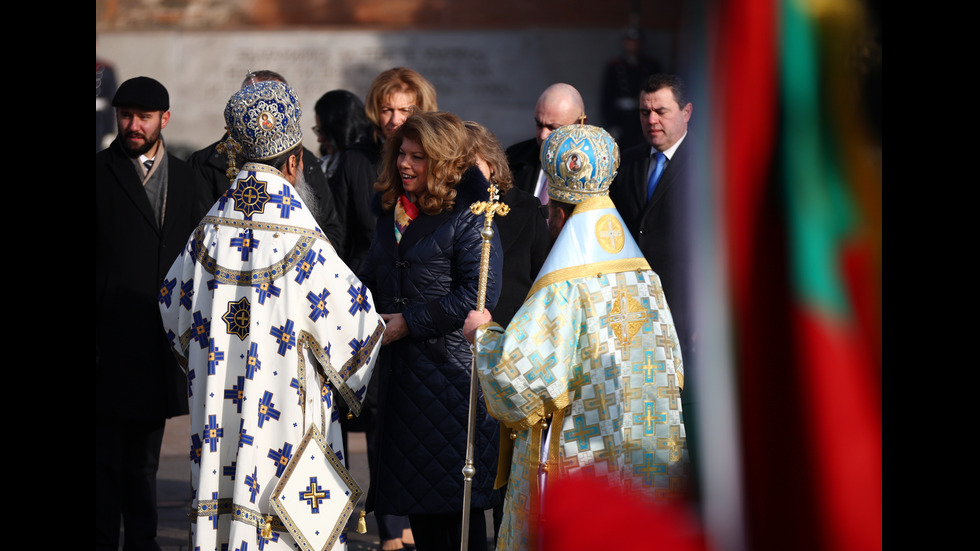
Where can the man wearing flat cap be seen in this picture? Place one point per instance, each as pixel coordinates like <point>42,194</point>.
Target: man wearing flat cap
<point>588,373</point>
<point>273,330</point>
<point>147,203</point>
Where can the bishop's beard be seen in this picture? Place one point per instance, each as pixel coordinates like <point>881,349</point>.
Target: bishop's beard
<point>307,196</point>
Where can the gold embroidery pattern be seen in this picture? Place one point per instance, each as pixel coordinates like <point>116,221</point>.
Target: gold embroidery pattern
<point>626,317</point>
<point>609,233</point>
<point>314,436</point>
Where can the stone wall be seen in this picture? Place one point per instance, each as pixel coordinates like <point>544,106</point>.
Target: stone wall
<point>490,76</point>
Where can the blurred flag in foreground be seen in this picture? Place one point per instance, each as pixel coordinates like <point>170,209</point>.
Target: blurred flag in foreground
<point>798,177</point>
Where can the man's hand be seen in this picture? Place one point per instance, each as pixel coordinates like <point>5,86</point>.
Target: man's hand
<point>473,320</point>
<point>395,328</point>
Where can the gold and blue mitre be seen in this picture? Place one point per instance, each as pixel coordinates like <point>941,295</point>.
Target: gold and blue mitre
<point>581,161</point>
<point>264,119</point>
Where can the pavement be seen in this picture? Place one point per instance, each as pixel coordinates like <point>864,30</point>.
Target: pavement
<point>174,491</point>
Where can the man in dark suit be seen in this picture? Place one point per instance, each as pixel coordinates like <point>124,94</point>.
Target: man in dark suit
<point>652,194</point>
<point>147,204</point>
<point>213,164</point>
<point>558,105</point>
<point>652,200</point>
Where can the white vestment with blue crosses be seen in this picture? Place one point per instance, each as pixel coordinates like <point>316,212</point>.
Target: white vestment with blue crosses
<point>274,332</point>
<point>592,355</point>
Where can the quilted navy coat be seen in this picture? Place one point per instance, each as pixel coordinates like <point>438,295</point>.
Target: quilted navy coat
<point>431,277</point>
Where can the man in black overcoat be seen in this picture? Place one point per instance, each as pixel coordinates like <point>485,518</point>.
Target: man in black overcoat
<point>147,204</point>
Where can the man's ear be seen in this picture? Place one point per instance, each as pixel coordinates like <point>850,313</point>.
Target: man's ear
<point>294,164</point>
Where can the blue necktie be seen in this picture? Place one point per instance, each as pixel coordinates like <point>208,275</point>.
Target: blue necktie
<point>657,172</point>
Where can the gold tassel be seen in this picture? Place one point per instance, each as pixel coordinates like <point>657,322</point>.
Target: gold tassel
<point>361,523</point>
<point>267,526</point>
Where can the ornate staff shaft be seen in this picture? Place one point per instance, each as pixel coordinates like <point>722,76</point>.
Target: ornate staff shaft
<point>489,208</point>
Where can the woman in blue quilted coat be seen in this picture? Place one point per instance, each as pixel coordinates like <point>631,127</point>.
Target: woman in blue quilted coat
<point>423,270</point>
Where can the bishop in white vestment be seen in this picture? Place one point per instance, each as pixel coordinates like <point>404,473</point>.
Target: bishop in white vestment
<point>274,332</point>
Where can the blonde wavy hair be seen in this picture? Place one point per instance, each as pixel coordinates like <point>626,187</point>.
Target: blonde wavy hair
<point>445,141</point>
<point>398,80</point>
<point>486,146</point>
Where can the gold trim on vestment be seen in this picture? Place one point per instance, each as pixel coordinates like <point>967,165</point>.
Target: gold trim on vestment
<point>305,340</point>
<point>505,455</point>
<point>211,507</point>
<point>185,340</point>
<point>486,326</point>
<point>325,369</point>
<point>535,417</point>
<point>256,225</point>
<point>594,203</point>
<point>554,451</point>
<point>363,356</point>
<point>259,167</point>
<point>506,448</point>
<point>534,454</point>
<point>293,257</point>
<point>181,361</point>
<point>594,269</point>
<point>339,379</point>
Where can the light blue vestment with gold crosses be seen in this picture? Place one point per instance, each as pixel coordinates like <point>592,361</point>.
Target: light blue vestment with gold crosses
<point>274,330</point>
<point>592,353</point>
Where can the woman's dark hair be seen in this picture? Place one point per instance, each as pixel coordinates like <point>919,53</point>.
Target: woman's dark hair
<point>342,119</point>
